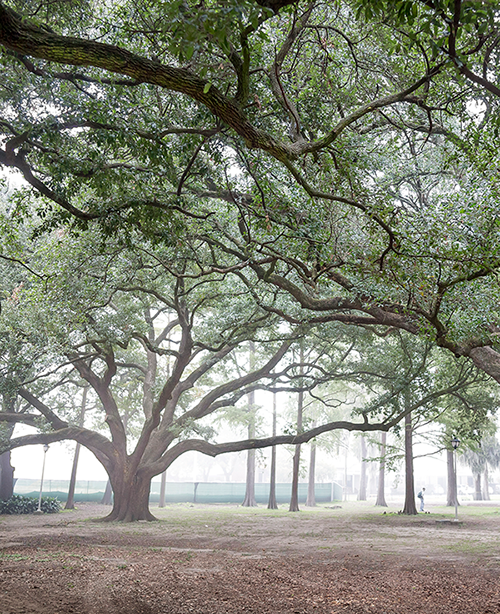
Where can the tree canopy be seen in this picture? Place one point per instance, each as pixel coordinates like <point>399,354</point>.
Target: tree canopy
<point>354,144</point>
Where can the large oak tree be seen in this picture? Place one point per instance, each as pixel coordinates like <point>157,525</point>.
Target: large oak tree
<point>343,154</point>
<point>157,344</point>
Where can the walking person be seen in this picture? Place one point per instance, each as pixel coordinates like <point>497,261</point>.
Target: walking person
<point>421,497</point>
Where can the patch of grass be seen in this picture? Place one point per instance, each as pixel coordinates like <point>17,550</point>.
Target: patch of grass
<point>15,556</point>
<point>469,546</point>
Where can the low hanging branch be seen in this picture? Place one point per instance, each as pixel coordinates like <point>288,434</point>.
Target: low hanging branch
<point>26,38</point>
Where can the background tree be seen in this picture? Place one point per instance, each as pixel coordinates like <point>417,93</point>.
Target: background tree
<point>363,482</point>
<point>249,500</point>
<point>311,482</point>
<point>381,473</point>
<point>70,501</point>
<point>272,503</point>
<point>477,462</point>
<point>294,497</point>
<point>491,451</point>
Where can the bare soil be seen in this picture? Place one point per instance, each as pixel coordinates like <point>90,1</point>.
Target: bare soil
<point>221,559</point>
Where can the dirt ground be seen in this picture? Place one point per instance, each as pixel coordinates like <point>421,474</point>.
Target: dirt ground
<point>221,559</point>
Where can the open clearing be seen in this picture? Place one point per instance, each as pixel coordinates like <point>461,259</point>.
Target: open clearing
<point>222,559</point>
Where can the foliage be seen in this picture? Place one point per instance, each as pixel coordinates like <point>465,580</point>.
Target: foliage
<point>18,504</point>
<point>346,172</point>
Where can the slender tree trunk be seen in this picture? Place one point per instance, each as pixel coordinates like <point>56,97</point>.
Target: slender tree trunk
<point>478,495</point>
<point>409,507</point>
<point>249,500</point>
<point>381,473</point>
<point>107,498</point>
<point>311,495</point>
<point>346,456</point>
<point>486,485</point>
<point>294,499</point>
<point>363,478</point>
<point>6,477</point>
<point>163,483</point>
<point>272,504</point>
<point>451,490</point>
<point>70,501</point>
<point>163,489</point>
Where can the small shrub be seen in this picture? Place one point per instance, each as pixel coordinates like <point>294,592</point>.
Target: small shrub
<point>51,505</point>
<point>18,504</point>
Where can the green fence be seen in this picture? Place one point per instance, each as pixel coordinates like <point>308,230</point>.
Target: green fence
<point>178,492</point>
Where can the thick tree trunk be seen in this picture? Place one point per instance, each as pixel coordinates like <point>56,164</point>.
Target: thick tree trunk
<point>409,507</point>
<point>478,495</point>
<point>311,496</point>
<point>6,477</point>
<point>272,504</point>
<point>451,490</point>
<point>364,478</point>
<point>131,499</point>
<point>381,473</point>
